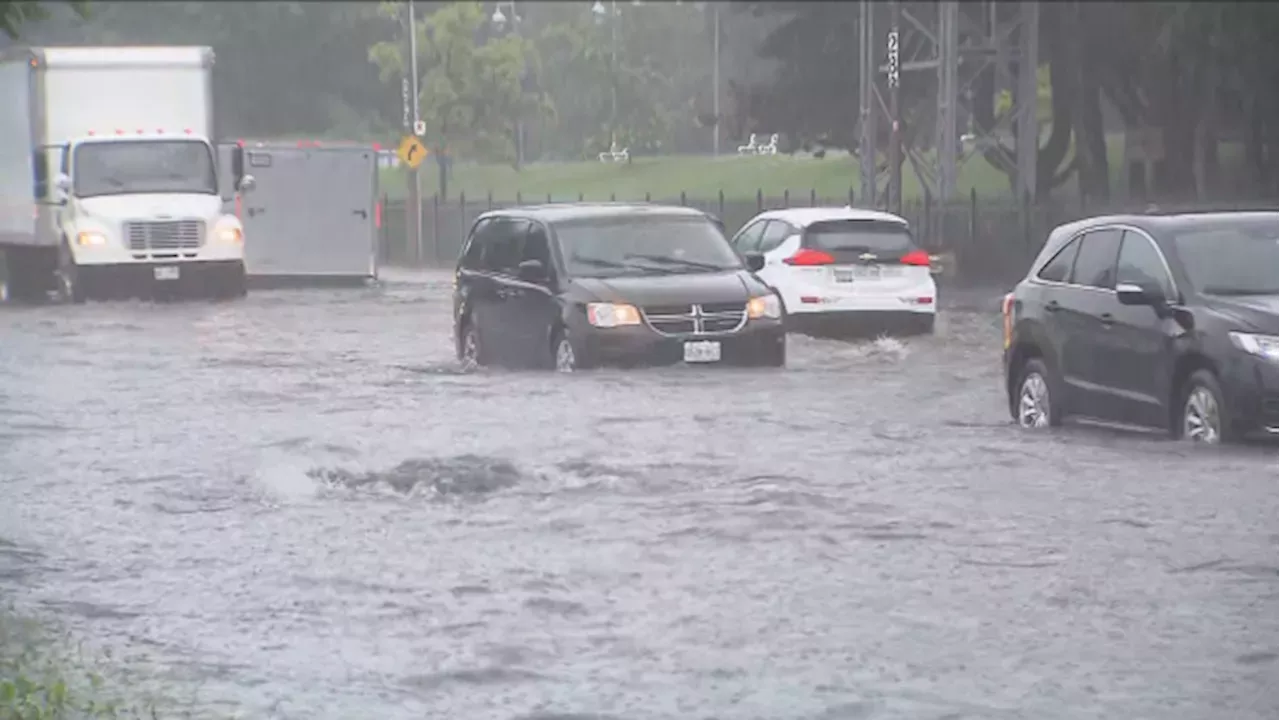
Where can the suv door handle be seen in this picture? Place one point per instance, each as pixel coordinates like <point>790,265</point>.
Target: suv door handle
<point>1052,306</point>
<point>364,214</point>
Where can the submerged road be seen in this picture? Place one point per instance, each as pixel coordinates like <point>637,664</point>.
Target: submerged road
<point>295,506</point>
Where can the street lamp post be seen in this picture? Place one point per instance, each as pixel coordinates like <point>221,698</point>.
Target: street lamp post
<point>414,178</point>
<point>499,20</point>
<point>598,9</point>
<point>715,77</point>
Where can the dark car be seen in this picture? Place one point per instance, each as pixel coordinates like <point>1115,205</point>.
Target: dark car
<point>1159,321</point>
<point>579,285</point>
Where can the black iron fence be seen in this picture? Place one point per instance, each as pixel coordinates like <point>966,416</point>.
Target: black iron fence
<point>982,240</point>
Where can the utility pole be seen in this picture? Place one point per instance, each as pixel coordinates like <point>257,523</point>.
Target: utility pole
<point>895,112</point>
<point>409,96</point>
<point>613,102</point>
<point>715,77</point>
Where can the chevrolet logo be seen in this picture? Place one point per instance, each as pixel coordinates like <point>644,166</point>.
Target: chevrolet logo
<point>867,256</point>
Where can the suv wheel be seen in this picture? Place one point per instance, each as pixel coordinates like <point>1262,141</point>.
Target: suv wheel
<point>1202,416</point>
<point>1034,406</point>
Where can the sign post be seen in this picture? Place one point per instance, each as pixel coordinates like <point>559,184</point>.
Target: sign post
<point>409,89</point>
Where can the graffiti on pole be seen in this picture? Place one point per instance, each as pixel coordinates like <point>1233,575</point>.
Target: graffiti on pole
<point>405,97</point>
<point>893,59</point>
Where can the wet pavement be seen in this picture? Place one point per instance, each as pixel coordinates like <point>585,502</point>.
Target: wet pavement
<point>296,507</point>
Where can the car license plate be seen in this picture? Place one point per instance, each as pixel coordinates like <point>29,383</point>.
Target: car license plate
<point>867,272</point>
<point>702,351</point>
<point>168,272</point>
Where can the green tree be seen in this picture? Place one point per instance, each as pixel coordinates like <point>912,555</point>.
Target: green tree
<point>471,88</point>
<point>14,14</point>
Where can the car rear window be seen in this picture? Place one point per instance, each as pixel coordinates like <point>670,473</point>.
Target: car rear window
<point>843,237</point>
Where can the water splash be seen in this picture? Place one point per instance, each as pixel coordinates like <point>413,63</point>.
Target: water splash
<point>461,475</point>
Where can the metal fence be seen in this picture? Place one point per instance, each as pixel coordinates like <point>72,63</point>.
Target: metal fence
<point>984,240</point>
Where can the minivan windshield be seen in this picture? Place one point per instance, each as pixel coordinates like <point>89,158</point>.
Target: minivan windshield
<point>611,247</point>
<point>1237,257</point>
<point>122,167</point>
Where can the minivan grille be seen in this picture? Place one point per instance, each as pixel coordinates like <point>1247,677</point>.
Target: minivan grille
<point>164,234</point>
<point>709,319</point>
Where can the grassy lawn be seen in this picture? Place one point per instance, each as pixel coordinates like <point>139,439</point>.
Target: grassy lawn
<point>666,177</point>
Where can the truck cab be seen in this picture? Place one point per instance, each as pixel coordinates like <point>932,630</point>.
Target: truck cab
<point>132,207</point>
<point>115,147</point>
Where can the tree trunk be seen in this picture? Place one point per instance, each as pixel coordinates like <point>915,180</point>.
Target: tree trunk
<point>1091,139</point>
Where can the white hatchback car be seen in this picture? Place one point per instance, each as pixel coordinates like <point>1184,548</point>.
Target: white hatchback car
<point>843,270</point>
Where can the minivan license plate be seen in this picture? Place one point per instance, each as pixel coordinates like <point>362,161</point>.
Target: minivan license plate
<point>167,272</point>
<point>702,351</point>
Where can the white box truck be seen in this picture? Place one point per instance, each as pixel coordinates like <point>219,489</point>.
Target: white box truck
<point>108,175</point>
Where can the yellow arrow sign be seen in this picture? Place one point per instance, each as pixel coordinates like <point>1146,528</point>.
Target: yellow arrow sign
<point>411,152</point>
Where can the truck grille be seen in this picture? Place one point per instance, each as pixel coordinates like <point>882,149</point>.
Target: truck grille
<point>164,234</point>
<point>708,319</point>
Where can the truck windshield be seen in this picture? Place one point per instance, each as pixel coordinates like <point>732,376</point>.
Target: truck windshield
<point>144,166</point>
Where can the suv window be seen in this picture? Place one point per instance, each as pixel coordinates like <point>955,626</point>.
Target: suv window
<point>1058,269</point>
<point>1141,264</point>
<point>1096,262</point>
<point>774,235</point>
<point>748,238</point>
<point>504,244</point>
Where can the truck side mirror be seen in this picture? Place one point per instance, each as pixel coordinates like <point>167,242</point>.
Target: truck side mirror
<point>61,188</point>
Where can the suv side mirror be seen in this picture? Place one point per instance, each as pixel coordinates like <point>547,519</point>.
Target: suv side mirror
<point>755,262</point>
<point>532,271</point>
<point>1130,294</point>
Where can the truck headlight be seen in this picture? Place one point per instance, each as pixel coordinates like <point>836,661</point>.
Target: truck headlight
<point>1266,346</point>
<point>765,306</point>
<point>90,238</point>
<point>230,235</point>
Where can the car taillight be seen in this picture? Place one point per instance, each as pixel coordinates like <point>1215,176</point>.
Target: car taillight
<point>916,257</point>
<point>1006,310</point>
<point>809,257</point>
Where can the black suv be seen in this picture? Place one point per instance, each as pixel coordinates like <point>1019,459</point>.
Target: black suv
<point>577,285</point>
<point>1157,321</point>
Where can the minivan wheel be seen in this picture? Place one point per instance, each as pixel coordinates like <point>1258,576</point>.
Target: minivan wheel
<point>564,357</point>
<point>1035,406</point>
<point>1203,417</point>
<point>469,353</point>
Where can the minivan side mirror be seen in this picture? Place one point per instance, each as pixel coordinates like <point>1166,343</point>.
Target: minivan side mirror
<point>532,271</point>
<point>755,262</point>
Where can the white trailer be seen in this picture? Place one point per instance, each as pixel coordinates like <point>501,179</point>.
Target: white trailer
<point>109,175</point>
<point>314,216</point>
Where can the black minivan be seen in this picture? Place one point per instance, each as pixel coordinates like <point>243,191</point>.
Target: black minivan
<point>1167,322</point>
<point>579,285</point>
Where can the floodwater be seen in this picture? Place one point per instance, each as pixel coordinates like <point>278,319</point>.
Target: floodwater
<point>296,507</point>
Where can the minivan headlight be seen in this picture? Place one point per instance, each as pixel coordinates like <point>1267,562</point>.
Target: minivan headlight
<point>1266,346</point>
<point>765,306</point>
<point>607,315</point>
